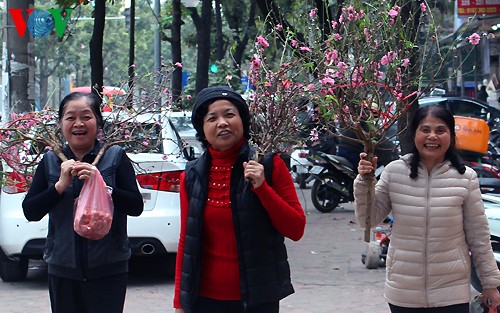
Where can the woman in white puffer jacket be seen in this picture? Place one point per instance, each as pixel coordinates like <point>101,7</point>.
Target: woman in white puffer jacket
<point>439,221</point>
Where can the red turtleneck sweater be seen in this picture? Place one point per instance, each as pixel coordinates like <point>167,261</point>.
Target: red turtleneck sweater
<point>220,277</point>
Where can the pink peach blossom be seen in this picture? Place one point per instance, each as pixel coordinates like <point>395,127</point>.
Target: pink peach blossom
<point>262,41</point>
<point>473,39</point>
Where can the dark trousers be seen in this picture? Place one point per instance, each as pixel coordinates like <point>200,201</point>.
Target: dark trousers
<point>206,305</point>
<point>104,295</point>
<point>457,308</point>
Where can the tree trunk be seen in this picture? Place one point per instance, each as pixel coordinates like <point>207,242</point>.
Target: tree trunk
<point>369,149</point>
<point>131,56</point>
<point>323,18</point>
<point>242,44</point>
<point>219,36</point>
<point>44,88</point>
<point>203,30</point>
<point>96,62</point>
<point>175,42</point>
<point>18,63</point>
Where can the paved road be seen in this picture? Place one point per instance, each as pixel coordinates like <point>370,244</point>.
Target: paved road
<point>326,271</point>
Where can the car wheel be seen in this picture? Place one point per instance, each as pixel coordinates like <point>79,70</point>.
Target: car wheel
<point>15,269</point>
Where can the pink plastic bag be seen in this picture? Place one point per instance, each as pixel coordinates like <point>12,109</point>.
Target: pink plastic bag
<point>93,209</point>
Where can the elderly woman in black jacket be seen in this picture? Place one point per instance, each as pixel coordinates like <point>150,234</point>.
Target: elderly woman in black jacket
<point>85,276</point>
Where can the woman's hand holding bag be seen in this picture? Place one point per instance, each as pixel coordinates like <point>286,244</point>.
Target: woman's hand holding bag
<point>93,209</point>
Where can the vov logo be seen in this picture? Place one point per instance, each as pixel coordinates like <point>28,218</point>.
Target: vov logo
<point>40,23</point>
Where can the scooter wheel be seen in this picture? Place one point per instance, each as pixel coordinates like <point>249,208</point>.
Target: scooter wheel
<point>324,197</point>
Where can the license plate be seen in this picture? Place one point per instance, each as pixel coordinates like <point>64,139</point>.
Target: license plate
<point>316,170</point>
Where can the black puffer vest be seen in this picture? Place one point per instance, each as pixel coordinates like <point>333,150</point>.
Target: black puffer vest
<point>61,239</point>
<point>263,260</point>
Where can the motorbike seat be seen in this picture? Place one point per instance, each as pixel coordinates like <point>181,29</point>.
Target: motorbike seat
<point>340,159</point>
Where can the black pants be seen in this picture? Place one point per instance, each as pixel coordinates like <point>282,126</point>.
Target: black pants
<point>206,305</point>
<point>104,295</point>
<point>457,308</point>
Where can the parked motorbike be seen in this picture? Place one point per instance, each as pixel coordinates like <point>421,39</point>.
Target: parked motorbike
<point>486,166</point>
<point>333,181</point>
<point>333,178</point>
<point>300,161</point>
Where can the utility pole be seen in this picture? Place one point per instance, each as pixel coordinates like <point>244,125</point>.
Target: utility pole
<point>130,23</point>
<point>157,51</point>
<point>18,60</point>
<point>157,39</point>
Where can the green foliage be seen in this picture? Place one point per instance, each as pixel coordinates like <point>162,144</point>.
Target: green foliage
<point>235,13</point>
<point>69,58</point>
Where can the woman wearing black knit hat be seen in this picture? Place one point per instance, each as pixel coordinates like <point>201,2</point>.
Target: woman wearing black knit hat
<point>235,214</point>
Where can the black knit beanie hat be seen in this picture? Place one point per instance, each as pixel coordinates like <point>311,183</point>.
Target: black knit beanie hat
<point>208,96</point>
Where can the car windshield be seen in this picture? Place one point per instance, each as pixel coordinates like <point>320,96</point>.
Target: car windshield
<point>145,133</point>
<point>183,125</point>
<point>146,137</point>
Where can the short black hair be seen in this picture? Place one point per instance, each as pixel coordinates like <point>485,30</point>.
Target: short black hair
<point>92,99</point>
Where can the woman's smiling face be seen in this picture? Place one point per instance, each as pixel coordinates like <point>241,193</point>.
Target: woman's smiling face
<point>79,125</point>
<point>432,140</point>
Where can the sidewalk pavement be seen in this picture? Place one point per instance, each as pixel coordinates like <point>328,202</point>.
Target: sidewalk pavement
<point>327,272</point>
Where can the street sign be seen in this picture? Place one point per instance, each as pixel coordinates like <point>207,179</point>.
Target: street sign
<point>478,7</point>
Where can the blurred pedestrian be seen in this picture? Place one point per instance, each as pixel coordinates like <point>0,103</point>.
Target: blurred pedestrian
<point>482,94</point>
<point>439,221</point>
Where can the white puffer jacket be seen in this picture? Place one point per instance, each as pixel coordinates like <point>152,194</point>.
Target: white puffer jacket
<point>438,219</point>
